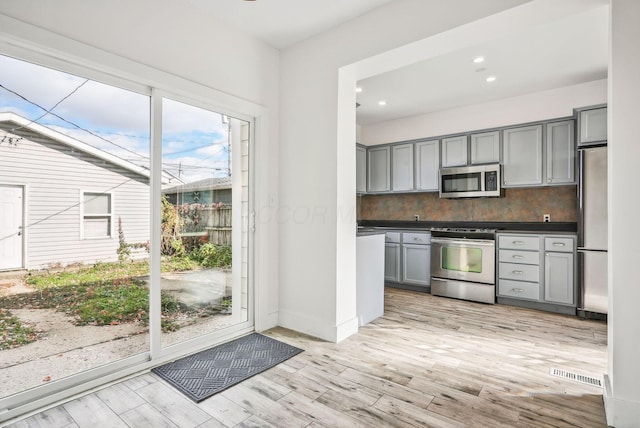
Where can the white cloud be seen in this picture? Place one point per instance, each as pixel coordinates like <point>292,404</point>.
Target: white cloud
<point>195,138</point>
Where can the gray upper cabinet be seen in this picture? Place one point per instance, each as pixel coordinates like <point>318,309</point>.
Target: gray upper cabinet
<point>427,163</point>
<point>592,125</point>
<point>454,151</point>
<point>522,156</point>
<point>485,147</point>
<point>361,169</point>
<point>560,153</point>
<point>379,169</point>
<point>402,167</point>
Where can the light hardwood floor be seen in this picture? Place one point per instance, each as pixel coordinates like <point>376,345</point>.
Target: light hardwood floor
<point>429,362</point>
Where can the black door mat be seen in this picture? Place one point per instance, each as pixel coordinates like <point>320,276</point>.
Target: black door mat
<point>208,372</point>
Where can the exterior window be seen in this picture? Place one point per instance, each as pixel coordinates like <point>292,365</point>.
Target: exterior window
<point>97,218</point>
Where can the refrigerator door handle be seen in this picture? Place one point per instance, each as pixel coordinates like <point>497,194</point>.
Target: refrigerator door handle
<point>580,198</point>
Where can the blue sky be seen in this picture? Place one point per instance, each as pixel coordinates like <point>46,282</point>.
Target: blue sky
<point>194,139</point>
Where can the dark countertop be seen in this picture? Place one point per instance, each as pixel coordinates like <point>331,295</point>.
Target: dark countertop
<point>369,232</point>
<point>516,226</point>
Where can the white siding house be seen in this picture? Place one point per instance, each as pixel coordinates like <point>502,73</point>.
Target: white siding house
<point>62,199</point>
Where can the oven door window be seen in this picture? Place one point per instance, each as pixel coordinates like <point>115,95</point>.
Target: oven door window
<point>470,182</point>
<point>462,259</point>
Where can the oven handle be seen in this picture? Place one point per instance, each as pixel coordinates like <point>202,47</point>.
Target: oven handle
<point>463,242</point>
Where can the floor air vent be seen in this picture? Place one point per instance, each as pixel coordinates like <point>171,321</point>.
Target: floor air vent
<point>588,380</point>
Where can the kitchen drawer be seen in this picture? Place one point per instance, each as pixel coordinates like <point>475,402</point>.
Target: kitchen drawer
<point>521,290</point>
<point>517,242</point>
<point>560,245</point>
<point>392,237</point>
<point>517,256</point>
<point>416,238</point>
<point>519,272</point>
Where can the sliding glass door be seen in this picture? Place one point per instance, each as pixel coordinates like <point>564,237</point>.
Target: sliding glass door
<point>77,152</point>
<point>123,242</point>
<point>204,218</point>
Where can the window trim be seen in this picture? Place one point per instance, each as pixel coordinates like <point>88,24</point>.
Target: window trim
<point>83,215</point>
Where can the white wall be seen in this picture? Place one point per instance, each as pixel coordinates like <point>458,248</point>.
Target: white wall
<point>317,185</point>
<point>533,107</point>
<point>622,396</point>
<point>179,40</point>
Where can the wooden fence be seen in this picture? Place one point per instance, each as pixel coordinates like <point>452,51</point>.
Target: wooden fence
<point>214,224</point>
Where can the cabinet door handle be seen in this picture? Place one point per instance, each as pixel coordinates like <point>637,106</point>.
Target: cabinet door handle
<point>558,244</point>
<point>518,242</point>
<point>518,290</point>
<point>516,256</point>
<point>518,272</point>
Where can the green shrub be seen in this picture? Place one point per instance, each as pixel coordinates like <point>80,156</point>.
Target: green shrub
<point>211,255</point>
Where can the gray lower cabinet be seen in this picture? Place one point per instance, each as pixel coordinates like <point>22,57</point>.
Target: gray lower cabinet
<point>559,272</point>
<point>392,256</point>
<point>416,264</point>
<point>537,270</point>
<point>408,259</point>
<point>519,266</point>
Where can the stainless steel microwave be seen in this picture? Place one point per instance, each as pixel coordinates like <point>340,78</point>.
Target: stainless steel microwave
<point>471,181</point>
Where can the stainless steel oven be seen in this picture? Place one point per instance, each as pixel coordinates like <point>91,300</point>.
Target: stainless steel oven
<point>463,264</point>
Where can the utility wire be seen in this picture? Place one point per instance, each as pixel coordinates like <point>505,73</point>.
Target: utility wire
<point>46,112</point>
<point>94,133</point>
<point>72,124</point>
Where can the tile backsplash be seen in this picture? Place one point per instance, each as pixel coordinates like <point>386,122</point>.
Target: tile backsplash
<point>524,204</point>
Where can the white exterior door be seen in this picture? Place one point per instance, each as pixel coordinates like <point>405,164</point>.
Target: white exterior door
<point>11,233</point>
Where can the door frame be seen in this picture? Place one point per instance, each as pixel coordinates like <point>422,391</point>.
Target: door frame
<point>23,242</point>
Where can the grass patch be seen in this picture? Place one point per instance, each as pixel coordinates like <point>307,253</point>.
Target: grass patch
<point>122,301</point>
<point>13,332</point>
<point>103,273</point>
<point>102,294</point>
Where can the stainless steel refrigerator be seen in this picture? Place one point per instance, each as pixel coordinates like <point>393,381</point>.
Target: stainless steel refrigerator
<point>592,231</point>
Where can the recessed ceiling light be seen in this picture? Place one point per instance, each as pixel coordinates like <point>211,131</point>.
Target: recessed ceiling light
<point>478,59</point>
<point>382,103</point>
<point>358,89</point>
<point>491,79</point>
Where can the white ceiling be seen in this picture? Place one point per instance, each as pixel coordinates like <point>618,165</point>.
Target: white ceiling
<point>282,23</point>
<point>561,53</point>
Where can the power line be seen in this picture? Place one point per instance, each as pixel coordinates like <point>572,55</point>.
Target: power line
<point>120,134</point>
<point>72,123</point>
<point>94,133</point>
<point>54,106</point>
